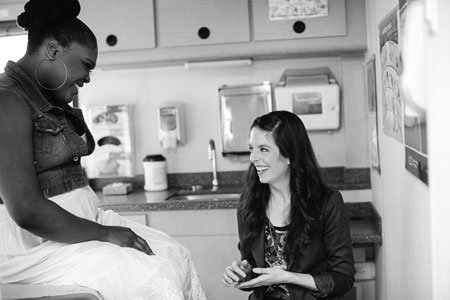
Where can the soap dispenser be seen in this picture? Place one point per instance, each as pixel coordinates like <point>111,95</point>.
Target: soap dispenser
<point>171,125</point>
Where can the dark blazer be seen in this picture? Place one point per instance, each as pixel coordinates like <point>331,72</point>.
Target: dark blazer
<point>328,256</point>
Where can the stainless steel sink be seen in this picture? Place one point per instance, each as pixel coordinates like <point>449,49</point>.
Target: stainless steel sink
<point>203,196</point>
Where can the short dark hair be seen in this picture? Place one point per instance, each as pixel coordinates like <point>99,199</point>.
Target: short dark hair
<point>56,19</point>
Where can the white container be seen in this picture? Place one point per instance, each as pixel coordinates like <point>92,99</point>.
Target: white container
<point>155,173</point>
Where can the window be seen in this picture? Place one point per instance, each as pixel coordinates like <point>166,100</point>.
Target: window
<point>13,48</point>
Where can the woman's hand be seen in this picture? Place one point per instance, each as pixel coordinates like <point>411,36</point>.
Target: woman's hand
<point>125,237</point>
<point>267,277</point>
<point>234,273</point>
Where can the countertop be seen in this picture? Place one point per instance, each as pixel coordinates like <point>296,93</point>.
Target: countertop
<point>365,222</point>
<point>140,200</point>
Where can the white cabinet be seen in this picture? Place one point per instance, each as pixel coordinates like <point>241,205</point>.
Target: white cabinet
<point>158,32</point>
<point>10,11</point>
<point>332,25</point>
<point>211,237</point>
<point>200,22</point>
<point>120,24</point>
<point>135,217</point>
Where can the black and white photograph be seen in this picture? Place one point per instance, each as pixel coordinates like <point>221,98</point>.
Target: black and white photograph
<point>224,149</point>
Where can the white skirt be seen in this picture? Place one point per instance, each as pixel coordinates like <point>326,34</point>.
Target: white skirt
<point>115,272</point>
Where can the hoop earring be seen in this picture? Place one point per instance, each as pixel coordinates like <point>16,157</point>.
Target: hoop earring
<point>36,74</point>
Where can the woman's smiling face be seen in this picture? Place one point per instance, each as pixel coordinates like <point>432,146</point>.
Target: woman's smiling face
<point>271,166</point>
<point>80,61</point>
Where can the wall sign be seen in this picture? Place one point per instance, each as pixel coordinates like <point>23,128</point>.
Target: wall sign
<point>372,114</point>
<point>297,9</point>
<point>392,105</point>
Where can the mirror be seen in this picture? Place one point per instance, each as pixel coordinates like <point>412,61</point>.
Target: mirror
<point>239,106</point>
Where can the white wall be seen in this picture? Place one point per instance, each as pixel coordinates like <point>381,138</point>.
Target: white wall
<point>147,89</point>
<point>437,85</point>
<point>413,261</point>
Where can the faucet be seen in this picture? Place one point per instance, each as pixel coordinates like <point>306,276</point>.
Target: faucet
<point>212,157</point>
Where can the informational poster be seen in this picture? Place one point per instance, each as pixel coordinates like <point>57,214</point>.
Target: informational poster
<point>415,128</point>
<point>111,127</point>
<point>372,114</point>
<point>297,9</point>
<point>392,104</point>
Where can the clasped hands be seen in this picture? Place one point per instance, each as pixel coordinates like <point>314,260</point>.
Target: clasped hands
<point>267,276</point>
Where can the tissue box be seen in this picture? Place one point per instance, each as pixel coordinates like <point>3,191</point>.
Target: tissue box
<point>117,188</point>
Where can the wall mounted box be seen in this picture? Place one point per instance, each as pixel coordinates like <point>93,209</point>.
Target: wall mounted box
<point>239,106</point>
<point>312,94</point>
<point>171,125</point>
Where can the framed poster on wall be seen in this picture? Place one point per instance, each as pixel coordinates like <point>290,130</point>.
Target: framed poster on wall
<point>111,128</point>
<point>392,104</point>
<point>372,114</point>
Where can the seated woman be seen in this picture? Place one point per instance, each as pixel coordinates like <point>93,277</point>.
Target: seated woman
<point>293,229</point>
<point>51,231</point>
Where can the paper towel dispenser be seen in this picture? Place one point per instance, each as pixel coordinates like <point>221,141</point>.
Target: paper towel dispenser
<point>239,106</point>
<point>312,94</point>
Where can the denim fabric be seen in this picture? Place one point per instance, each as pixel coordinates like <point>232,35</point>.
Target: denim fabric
<point>57,135</point>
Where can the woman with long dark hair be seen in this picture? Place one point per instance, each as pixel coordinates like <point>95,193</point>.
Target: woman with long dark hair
<point>294,231</point>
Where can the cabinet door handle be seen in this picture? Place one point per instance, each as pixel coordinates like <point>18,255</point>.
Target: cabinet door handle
<point>111,40</point>
<point>299,27</point>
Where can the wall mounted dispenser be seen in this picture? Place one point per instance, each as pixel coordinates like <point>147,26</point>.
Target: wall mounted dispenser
<point>171,130</point>
<point>312,94</point>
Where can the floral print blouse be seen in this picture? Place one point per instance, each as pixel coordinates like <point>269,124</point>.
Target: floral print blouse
<point>274,241</point>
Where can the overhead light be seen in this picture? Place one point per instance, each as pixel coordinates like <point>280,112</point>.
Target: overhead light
<point>218,64</point>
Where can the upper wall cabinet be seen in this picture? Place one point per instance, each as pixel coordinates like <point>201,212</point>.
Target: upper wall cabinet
<point>120,24</point>
<point>8,16</point>
<point>200,22</point>
<point>332,25</point>
<point>10,11</point>
<point>201,30</point>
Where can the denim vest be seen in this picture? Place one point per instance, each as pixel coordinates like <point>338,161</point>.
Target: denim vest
<point>57,135</point>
